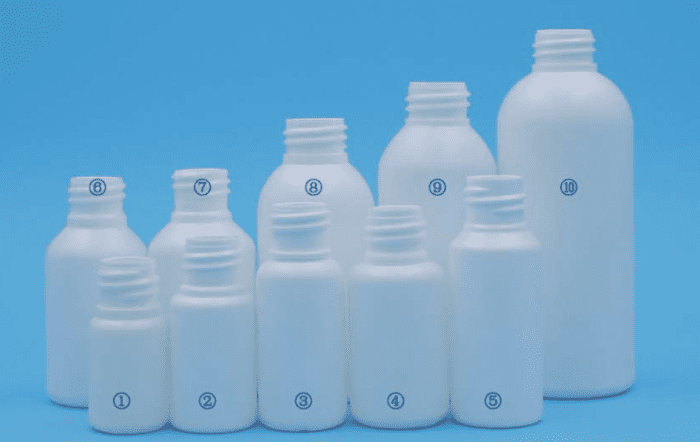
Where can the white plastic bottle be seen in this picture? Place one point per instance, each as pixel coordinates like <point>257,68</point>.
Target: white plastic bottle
<point>495,266</point>
<point>127,349</point>
<point>301,328</point>
<point>201,208</point>
<point>211,333</point>
<point>316,168</point>
<point>568,131</point>
<point>398,358</point>
<point>96,229</point>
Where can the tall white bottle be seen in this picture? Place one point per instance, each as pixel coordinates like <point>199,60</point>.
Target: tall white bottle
<point>201,208</point>
<point>398,358</point>
<point>568,131</point>
<point>96,228</point>
<point>316,168</point>
<point>211,332</point>
<point>301,328</point>
<point>495,266</point>
<point>127,349</point>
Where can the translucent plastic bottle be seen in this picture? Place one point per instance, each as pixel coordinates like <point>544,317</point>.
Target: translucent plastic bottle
<point>211,331</point>
<point>398,362</point>
<point>201,208</point>
<point>127,349</point>
<point>316,168</point>
<point>568,131</point>
<point>495,265</point>
<point>96,229</point>
<point>300,304</point>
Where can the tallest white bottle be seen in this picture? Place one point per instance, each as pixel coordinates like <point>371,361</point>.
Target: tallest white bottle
<point>568,131</point>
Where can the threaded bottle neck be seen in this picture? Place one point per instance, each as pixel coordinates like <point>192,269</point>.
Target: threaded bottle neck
<point>299,231</point>
<point>395,235</point>
<point>315,141</point>
<point>563,50</point>
<point>128,284</point>
<point>201,195</point>
<point>211,262</point>
<point>96,201</point>
<point>437,103</point>
<point>495,202</point>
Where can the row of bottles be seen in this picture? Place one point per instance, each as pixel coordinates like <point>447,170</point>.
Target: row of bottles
<point>564,128</point>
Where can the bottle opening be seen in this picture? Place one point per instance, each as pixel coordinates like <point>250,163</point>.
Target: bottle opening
<point>495,200</point>
<point>201,190</point>
<point>564,50</point>
<point>315,136</point>
<point>437,101</point>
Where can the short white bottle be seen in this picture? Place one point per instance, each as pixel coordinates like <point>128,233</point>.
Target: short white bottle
<point>316,168</point>
<point>212,342</point>
<point>495,266</point>
<point>201,208</point>
<point>398,358</point>
<point>567,130</point>
<point>127,349</point>
<point>96,228</point>
<point>301,328</point>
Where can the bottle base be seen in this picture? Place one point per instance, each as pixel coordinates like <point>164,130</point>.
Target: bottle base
<point>302,428</point>
<point>413,424</point>
<point>140,429</point>
<point>498,426</point>
<point>212,429</point>
<point>583,395</point>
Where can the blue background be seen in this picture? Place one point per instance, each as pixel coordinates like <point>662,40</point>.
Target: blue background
<point>141,89</point>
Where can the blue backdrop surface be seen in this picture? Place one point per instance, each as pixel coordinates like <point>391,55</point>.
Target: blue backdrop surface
<point>141,89</point>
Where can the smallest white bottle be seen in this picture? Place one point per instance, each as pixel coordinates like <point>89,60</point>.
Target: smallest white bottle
<point>495,263</point>
<point>127,349</point>
<point>211,335</point>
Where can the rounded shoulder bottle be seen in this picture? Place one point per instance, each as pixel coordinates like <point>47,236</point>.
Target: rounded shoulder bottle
<point>96,228</point>
<point>567,130</point>
<point>316,168</point>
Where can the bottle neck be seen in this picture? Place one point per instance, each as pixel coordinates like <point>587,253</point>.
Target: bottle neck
<point>96,202</point>
<point>495,202</point>
<point>395,235</point>
<point>315,141</point>
<point>211,265</point>
<point>299,231</point>
<point>561,50</point>
<point>128,287</point>
<point>201,195</point>
<point>437,103</point>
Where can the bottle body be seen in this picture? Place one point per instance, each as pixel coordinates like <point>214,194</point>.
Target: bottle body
<point>71,264</point>
<point>398,358</point>
<point>498,344</point>
<point>569,133</point>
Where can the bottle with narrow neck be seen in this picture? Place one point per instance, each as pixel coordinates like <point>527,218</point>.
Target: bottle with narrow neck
<point>494,273</point>
<point>301,296</point>
<point>96,228</point>
<point>214,296</point>
<point>568,131</point>
<point>398,364</point>
<point>127,349</point>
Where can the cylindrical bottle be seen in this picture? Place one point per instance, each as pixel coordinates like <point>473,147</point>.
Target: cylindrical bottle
<point>301,327</point>
<point>398,359</point>
<point>568,131</point>
<point>316,168</point>
<point>495,266</point>
<point>201,208</point>
<point>127,349</point>
<point>96,229</point>
<point>212,342</point>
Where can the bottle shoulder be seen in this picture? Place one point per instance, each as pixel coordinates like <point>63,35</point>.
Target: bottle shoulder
<point>155,322</point>
<point>495,241</point>
<point>174,234</point>
<point>423,271</point>
<point>322,269</point>
<point>90,242</point>
<point>565,95</point>
<point>235,299</point>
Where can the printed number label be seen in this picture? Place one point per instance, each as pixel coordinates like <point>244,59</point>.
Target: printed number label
<point>395,400</point>
<point>202,187</point>
<point>313,187</point>
<point>97,187</point>
<point>568,187</point>
<point>303,400</point>
<point>207,400</point>
<point>437,187</point>
<point>492,400</point>
<point>121,401</point>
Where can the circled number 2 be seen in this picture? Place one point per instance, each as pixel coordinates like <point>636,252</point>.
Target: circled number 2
<point>97,187</point>
<point>121,401</point>
<point>492,400</point>
<point>303,400</point>
<point>202,187</point>
<point>207,400</point>
<point>313,187</point>
<point>568,187</point>
<point>395,400</point>
<point>437,187</point>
